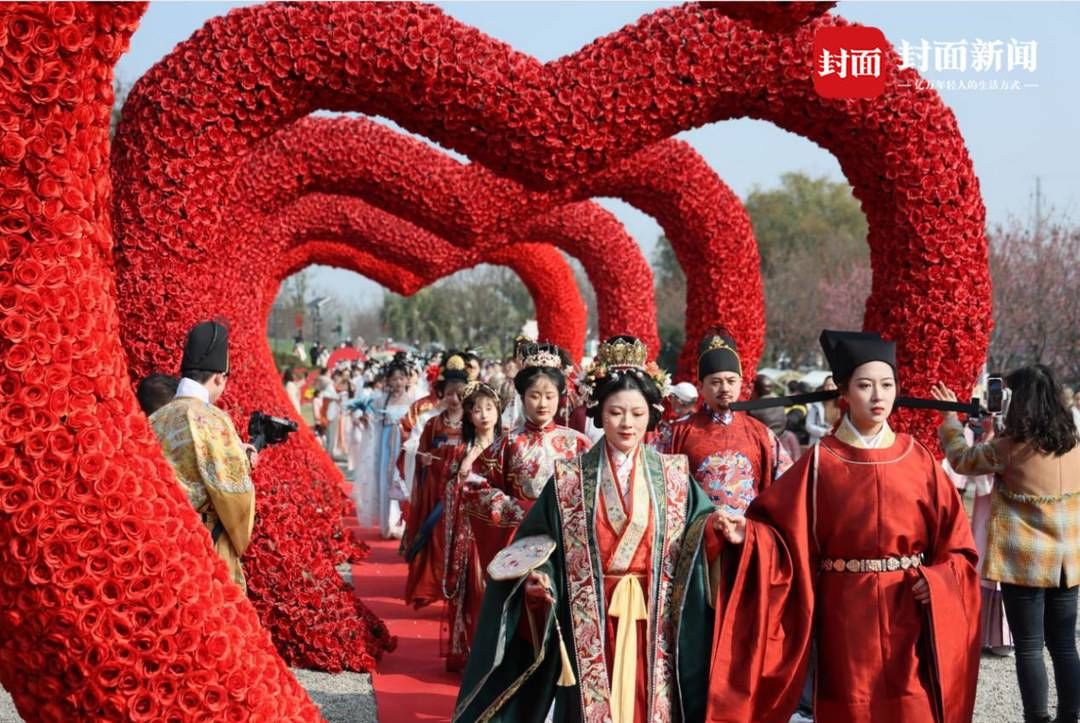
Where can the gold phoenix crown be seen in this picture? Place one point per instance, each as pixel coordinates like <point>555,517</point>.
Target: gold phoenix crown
<point>455,363</point>
<point>623,357</point>
<point>542,358</point>
<point>622,354</point>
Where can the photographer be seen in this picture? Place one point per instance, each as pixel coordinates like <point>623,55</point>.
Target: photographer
<point>1033,540</point>
<point>202,446</point>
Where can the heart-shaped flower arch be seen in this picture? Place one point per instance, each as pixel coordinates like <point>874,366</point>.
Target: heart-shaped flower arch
<point>548,278</point>
<point>311,614</point>
<point>86,611</point>
<point>468,205</point>
<point>556,124</point>
<point>416,257</point>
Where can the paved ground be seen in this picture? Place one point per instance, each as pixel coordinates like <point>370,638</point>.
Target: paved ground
<point>348,697</point>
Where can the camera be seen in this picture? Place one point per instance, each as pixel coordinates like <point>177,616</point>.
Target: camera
<point>264,430</point>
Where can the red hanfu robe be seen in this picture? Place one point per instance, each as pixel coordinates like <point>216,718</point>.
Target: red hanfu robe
<point>882,655</point>
<point>424,583</point>
<point>732,456</point>
<point>417,409</point>
<point>463,579</point>
<point>517,466</point>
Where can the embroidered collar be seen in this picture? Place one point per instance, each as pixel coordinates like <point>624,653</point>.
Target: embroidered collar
<point>623,465</point>
<point>725,417</point>
<point>191,388</point>
<point>531,426</point>
<point>848,434</point>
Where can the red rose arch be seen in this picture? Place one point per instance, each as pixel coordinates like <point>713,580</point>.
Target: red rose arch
<point>470,206</point>
<point>404,258</point>
<point>299,501</point>
<point>114,605</point>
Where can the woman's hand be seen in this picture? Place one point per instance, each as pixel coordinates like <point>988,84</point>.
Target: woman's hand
<point>472,486</point>
<point>732,527</point>
<point>468,460</point>
<point>921,590</point>
<point>942,393</point>
<point>538,594</point>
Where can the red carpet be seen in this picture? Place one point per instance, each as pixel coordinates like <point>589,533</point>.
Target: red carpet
<point>411,683</point>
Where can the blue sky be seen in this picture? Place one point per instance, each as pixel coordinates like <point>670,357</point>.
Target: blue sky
<point>1013,137</point>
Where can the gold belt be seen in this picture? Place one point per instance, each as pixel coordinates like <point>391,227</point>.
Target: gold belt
<point>883,564</point>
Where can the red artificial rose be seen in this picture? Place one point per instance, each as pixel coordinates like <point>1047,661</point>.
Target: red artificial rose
<point>70,38</point>
<point>61,13</point>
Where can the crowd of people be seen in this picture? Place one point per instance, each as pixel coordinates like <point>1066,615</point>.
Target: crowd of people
<point>606,545</point>
<point>638,549</point>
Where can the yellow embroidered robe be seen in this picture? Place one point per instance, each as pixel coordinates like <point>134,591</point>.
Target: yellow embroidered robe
<point>210,463</point>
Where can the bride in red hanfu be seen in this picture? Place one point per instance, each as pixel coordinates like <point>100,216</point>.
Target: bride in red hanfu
<point>865,547</point>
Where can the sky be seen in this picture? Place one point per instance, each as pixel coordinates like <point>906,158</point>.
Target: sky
<point>1013,137</point>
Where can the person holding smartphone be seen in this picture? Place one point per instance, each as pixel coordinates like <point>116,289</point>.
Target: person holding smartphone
<point>1033,536</point>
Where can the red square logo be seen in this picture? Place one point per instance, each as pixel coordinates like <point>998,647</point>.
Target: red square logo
<point>850,62</point>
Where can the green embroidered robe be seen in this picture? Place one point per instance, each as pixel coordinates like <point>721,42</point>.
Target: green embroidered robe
<point>509,678</point>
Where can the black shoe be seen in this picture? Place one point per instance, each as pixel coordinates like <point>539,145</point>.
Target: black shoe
<point>1038,718</point>
<point>1067,718</point>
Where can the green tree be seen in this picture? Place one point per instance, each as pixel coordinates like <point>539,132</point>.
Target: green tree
<point>670,281</point>
<point>805,213</point>
<point>811,234</point>
<point>483,308</point>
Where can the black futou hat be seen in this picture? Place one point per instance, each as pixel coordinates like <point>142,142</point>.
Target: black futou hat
<point>718,353</point>
<point>847,350</point>
<point>206,348</point>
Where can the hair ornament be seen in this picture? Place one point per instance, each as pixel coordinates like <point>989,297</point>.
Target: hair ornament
<point>476,387</point>
<point>541,355</point>
<point>619,356</point>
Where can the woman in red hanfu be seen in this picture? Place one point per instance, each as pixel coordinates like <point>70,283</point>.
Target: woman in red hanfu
<point>518,465</point>
<point>463,578</point>
<point>425,533</point>
<point>863,545</point>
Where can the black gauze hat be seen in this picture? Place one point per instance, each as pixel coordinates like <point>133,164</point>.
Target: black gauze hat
<point>847,350</point>
<point>718,353</point>
<point>206,348</point>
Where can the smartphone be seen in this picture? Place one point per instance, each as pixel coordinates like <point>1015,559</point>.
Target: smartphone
<point>995,394</point>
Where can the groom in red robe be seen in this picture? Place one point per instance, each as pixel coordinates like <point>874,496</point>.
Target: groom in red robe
<point>732,455</point>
